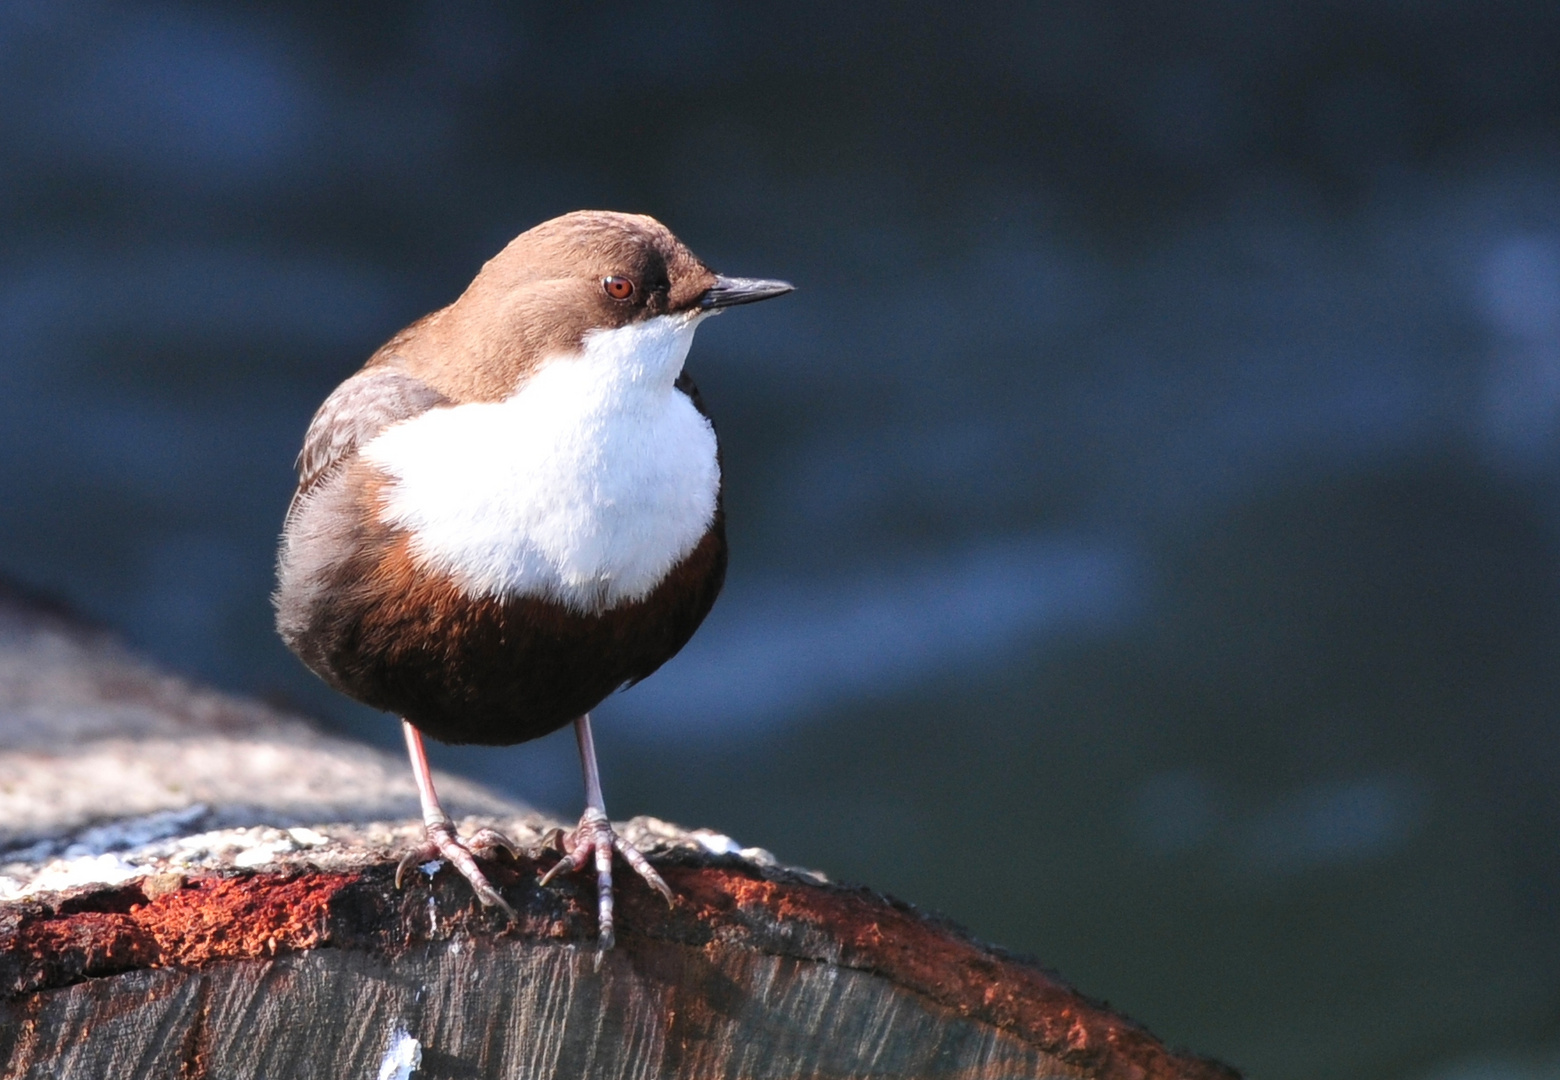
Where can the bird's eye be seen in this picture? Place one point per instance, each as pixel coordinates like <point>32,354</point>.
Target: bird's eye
<point>619,288</point>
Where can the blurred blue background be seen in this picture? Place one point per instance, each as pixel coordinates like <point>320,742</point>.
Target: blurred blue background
<point>1145,515</point>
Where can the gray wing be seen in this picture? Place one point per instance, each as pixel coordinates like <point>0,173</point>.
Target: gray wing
<point>355,412</point>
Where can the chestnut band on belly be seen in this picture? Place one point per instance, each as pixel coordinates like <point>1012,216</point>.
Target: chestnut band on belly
<point>501,671</point>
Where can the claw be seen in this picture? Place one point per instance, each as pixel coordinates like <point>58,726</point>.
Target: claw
<point>443,843</point>
<point>552,840</point>
<point>569,862</point>
<point>485,842</point>
<point>411,858</point>
<point>642,867</point>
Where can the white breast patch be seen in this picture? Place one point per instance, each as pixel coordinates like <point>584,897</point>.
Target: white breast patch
<point>585,487</point>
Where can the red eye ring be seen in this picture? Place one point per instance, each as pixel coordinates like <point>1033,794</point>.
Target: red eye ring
<point>619,288</point>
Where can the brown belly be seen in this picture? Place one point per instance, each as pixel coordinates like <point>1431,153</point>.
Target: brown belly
<point>492,671</point>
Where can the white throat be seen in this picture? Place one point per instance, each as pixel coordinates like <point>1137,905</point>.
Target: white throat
<point>586,486</point>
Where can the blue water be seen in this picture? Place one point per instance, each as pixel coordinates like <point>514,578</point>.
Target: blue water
<point>1144,514</point>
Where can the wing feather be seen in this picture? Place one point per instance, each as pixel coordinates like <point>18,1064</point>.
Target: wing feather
<point>355,412</point>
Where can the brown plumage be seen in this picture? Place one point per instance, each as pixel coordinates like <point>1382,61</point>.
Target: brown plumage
<point>494,637</point>
<point>541,295</point>
<point>467,669</point>
<point>351,601</point>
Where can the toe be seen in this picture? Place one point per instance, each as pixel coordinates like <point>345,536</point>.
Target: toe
<point>641,866</point>
<point>480,884</point>
<point>488,842</point>
<point>490,898</point>
<point>595,837</point>
<point>568,864</point>
<point>411,859</point>
<point>444,843</point>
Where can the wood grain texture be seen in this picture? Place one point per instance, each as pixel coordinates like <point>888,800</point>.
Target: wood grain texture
<point>756,972</point>
<point>509,1009</point>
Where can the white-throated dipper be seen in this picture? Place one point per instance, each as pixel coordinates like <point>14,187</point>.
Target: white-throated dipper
<point>514,509</point>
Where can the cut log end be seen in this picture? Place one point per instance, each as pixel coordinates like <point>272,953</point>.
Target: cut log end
<point>320,966</point>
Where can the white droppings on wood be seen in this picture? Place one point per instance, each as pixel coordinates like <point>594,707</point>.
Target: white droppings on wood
<point>119,851</point>
<point>715,843</point>
<point>60,874</point>
<point>402,1057</point>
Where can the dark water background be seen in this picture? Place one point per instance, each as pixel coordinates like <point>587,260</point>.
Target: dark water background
<point>1145,514</point>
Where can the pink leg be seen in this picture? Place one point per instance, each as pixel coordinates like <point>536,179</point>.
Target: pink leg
<point>442,841</point>
<point>594,836</point>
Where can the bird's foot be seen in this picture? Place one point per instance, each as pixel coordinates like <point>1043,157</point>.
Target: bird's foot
<point>444,843</point>
<point>594,836</point>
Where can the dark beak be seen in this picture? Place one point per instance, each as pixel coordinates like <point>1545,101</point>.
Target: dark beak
<point>731,291</point>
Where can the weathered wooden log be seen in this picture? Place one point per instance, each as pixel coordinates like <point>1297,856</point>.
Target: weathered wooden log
<point>227,926</point>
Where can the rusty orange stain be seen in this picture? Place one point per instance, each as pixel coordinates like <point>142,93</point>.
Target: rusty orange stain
<point>257,916</point>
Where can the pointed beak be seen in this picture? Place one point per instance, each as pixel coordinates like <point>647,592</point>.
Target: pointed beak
<point>731,291</point>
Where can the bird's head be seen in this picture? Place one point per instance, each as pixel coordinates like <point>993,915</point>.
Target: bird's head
<point>558,285</point>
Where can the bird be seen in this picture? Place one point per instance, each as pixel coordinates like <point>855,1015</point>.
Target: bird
<point>514,509</point>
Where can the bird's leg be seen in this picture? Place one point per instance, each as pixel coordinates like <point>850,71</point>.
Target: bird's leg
<point>442,841</point>
<point>594,836</point>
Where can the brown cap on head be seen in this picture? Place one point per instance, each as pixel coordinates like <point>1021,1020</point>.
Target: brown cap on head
<point>590,246</point>
<point>592,269</point>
